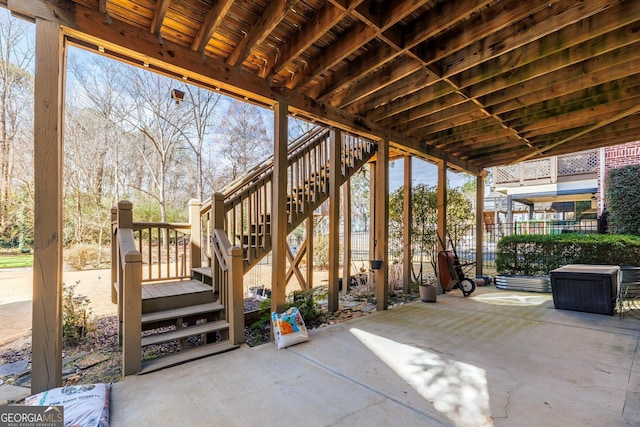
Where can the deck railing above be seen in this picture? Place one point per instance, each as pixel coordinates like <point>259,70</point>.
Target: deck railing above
<point>549,170</point>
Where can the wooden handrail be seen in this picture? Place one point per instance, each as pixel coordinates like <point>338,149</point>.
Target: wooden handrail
<point>130,299</point>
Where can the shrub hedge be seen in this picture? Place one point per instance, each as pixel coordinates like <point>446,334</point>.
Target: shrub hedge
<point>533,255</point>
<point>623,197</point>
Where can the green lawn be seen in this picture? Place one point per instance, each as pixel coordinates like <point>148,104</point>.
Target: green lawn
<point>14,261</point>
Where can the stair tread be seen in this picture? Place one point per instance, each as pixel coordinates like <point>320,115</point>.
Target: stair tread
<point>186,356</point>
<point>185,332</point>
<point>181,312</point>
<point>205,271</point>
<point>169,289</point>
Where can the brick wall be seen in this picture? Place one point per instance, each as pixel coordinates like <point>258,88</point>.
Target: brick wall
<point>622,155</point>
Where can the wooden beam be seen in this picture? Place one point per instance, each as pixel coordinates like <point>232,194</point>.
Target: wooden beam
<point>46,358</point>
<point>600,124</point>
<point>335,148</point>
<point>386,75</point>
<point>416,106</point>
<point>139,46</point>
<point>316,27</point>
<point>279,208</point>
<point>360,34</point>
<point>334,53</point>
<point>381,230</point>
<point>541,20</point>
<point>611,66</point>
<point>352,72</point>
<point>267,21</point>
<point>159,13</point>
<point>414,82</point>
<point>212,21</point>
<point>481,82</point>
<point>395,11</point>
<point>578,118</point>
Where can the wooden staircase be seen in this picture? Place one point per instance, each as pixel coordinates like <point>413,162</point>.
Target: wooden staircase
<point>198,310</point>
<point>188,314</point>
<point>246,212</point>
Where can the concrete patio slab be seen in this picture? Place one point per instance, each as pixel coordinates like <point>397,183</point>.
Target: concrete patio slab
<point>496,358</point>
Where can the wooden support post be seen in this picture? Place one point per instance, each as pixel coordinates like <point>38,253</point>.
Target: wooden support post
<point>216,223</point>
<point>407,254</point>
<point>335,149</point>
<point>46,358</point>
<point>124,220</point>
<point>132,306</point>
<point>235,306</point>
<point>479,224</point>
<point>372,208</point>
<point>114,256</point>
<point>309,244</point>
<point>381,231</point>
<point>346,232</point>
<point>442,203</point>
<point>442,210</point>
<point>195,240</point>
<point>279,209</point>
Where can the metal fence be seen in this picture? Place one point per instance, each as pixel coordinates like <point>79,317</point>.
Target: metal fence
<point>461,237</point>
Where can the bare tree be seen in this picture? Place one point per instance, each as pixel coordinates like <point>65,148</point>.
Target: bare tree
<point>16,93</point>
<point>243,138</point>
<point>159,120</point>
<point>100,87</point>
<point>201,105</point>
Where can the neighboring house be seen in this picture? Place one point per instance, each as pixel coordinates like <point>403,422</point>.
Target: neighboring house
<point>559,188</point>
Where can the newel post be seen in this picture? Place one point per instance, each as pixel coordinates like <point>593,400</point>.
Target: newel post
<point>235,305</point>
<point>114,255</point>
<point>125,214</point>
<point>195,241</point>
<point>216,223</point>
<point>124,221</point>
<point>132,310</point>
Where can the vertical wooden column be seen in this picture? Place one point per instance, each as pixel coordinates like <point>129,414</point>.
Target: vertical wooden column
<point>130,287</point>
<point>372,208</point>
<point>114,255</point>
<point>381,231</point>
<point>346,231</point>
<point>407,255</point>
<point>334,218</point>
<point>279,209</point>
<point>310,251</point>
<point>479,223</point>
<point>216,223</point>
<point>48,179</point>
<point>442,202</point>
<point>195,240</point>
<point>236,297</point>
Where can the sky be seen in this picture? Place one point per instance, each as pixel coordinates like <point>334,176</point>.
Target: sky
<point>423,173</point>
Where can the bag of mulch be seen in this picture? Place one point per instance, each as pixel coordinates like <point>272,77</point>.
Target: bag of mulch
<point>289,328</point>
<point>84,405</point>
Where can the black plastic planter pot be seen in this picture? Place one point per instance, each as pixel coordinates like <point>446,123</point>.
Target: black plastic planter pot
<point>376,264</point>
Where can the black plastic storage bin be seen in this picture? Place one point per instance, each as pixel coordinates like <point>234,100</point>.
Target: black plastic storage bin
<point>588,288</point>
